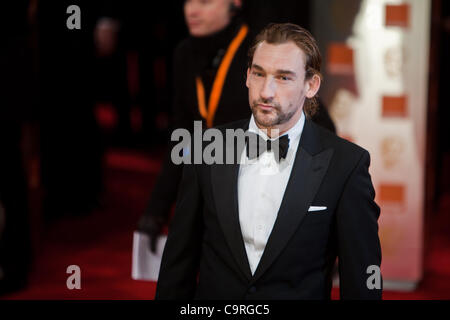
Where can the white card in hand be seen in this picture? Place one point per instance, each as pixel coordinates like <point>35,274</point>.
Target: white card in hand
<point>145,264</point>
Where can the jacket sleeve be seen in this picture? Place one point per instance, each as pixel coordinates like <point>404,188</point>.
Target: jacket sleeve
<point>181,257</point>
<point>165,190</point>
<point>359,250</point>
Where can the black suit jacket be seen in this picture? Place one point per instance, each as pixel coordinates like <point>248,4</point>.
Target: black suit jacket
<point>205,256</point>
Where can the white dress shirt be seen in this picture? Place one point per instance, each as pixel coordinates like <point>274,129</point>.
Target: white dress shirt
<point>261,186</point>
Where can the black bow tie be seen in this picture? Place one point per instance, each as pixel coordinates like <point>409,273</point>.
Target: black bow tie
<point>256,145</point>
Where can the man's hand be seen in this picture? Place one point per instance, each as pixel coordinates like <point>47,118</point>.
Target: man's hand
<point>152,226</point>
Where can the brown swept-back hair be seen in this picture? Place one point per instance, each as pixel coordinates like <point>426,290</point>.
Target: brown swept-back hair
<point>279,33</point>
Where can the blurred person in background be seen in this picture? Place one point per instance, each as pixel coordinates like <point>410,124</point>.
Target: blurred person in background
<point>110,73</point>
<point>216,27</point>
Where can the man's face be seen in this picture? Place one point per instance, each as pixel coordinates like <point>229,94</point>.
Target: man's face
<point>205,17</point>
<point>277,86</point>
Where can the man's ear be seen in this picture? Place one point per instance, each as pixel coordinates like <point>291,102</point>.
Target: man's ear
<point>312,86</point>
<point>248,75</point>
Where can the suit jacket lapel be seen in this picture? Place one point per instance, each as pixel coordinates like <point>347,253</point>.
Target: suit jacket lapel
<point>311,163</point>
<point>224,179</point>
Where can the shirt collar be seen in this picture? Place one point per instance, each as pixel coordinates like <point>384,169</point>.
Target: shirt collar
<point>293,133</point>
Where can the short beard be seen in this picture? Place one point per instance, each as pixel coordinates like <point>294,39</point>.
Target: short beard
<point>280,117</point>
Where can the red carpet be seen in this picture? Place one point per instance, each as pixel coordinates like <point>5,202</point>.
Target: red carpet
<point>100,244</point>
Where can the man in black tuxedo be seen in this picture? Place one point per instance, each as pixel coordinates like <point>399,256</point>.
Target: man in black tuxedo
<point>271,225</point>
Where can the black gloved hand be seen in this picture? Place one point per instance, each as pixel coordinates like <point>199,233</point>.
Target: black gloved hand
<point>152,226</point>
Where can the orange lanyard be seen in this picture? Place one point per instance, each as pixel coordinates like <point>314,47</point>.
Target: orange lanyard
<point>219,80</point>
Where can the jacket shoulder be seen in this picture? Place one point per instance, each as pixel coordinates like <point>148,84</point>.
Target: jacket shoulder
<point>342,147</point>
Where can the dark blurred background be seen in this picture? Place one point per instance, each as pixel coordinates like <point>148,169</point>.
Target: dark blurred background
<point>84,123</point>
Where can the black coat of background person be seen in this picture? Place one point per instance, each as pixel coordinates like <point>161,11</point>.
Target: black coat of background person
<point>205,257</point>
<point>194,57</point>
